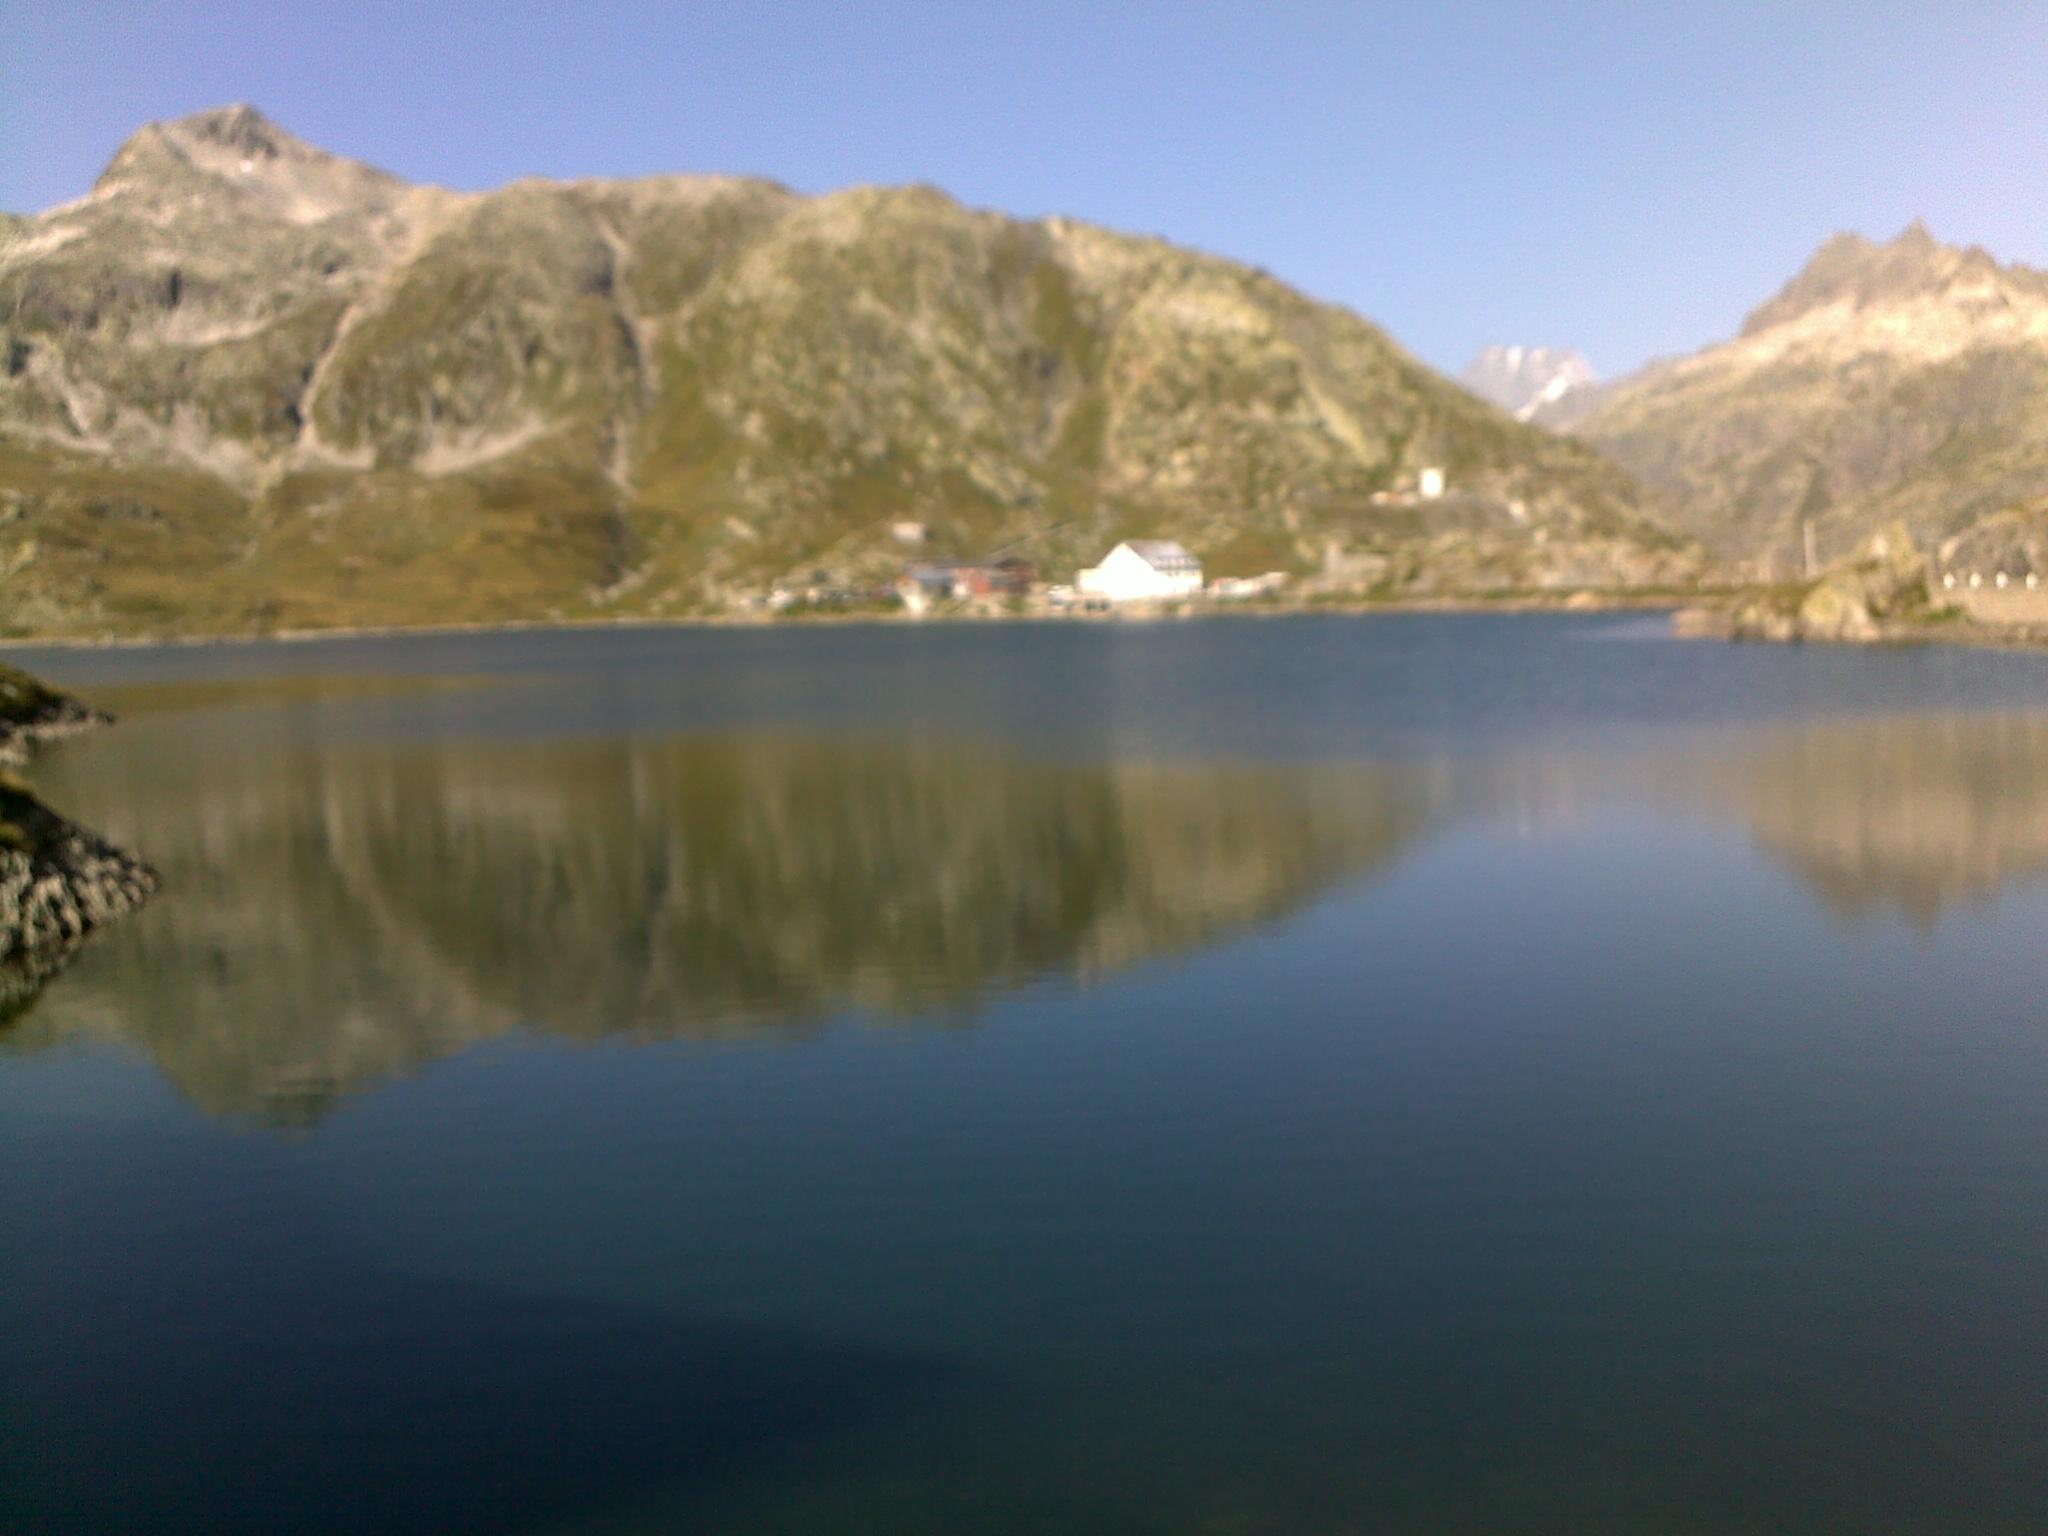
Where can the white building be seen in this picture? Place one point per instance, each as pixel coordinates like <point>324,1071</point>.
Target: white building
<point>1238,588</point>
<point>1142,570</point>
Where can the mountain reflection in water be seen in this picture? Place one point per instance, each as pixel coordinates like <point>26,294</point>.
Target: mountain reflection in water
<point>1909,814</point>
<point>338,917</point>
<point>1915,815</point>
<point>342,917</point>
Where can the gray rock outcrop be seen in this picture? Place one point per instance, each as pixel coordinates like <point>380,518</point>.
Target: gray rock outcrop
<point>58,881</point>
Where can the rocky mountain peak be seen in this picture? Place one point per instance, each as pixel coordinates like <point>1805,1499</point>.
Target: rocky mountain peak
<point>1916,237</point>
<point>240,128</point>
<point>1904,379</point>
<point>1861,274</point>
<point>238,152</point>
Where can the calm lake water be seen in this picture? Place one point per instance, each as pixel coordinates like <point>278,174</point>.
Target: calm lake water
<point>1393,1075</point>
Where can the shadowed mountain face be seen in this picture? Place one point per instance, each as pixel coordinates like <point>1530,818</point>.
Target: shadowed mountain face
<point>1906,380</point>
<point>344,918</point>
<point>248,383</point>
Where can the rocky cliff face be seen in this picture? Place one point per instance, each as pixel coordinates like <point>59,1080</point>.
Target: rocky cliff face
<point>1904,381</point>
<point>245,383</point>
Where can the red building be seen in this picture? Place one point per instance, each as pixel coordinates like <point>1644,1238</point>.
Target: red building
<point>1000,578</point>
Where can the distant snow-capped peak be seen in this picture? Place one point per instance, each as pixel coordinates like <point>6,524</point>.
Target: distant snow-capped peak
<point>1525,381</point>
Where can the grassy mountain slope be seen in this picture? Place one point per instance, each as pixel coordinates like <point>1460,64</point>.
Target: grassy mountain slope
<point>247,384</point>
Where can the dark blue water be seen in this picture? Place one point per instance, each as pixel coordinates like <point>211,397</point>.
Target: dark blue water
<point>1508,1074</point>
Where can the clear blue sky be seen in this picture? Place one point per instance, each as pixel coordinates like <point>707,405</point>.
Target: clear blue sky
<point>1629,179</point>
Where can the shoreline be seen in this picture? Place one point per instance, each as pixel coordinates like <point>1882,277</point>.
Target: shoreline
<point>59,881</point>
<point>1964,634</point>
<point>1691,615</point>
<point>1571,602</point>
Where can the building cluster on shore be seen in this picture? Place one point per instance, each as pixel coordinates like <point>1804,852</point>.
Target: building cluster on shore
<point>1138,574</point>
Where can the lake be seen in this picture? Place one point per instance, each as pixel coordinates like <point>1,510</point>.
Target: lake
<point>1393,1074</point>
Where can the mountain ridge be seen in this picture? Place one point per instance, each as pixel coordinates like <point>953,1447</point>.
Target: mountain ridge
<point>1904,380</point>
<point>320,395</point>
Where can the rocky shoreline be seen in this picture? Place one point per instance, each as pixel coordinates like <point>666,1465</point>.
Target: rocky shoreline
<point>58,880</point>
<point>1886,595</point>
<point>32,712</point>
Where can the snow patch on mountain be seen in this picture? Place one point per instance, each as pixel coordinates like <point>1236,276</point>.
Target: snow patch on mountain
<point>1527,381</point>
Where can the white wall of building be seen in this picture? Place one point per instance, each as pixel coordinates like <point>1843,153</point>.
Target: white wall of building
<point>1125,576</point>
